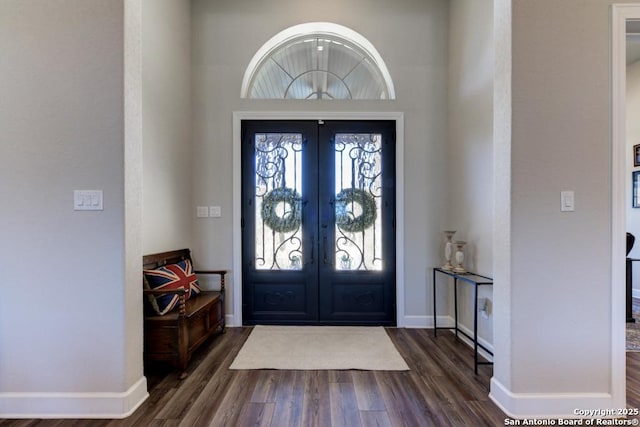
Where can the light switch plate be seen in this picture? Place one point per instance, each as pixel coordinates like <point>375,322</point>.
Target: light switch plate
<point>202,212</point>
<point>567,201</point>
<point>88,200</point>
<point>215,211</point>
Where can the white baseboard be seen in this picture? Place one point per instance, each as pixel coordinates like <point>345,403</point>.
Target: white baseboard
<point>635,293</point>
<point>481,340</point>
<point>230,320</point>
<point>556,405</point>
<point>422,322</point>
<point>91,405</point>
<point>447,322</point>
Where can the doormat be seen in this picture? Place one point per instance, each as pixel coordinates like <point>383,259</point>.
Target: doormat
<point>319,348</point>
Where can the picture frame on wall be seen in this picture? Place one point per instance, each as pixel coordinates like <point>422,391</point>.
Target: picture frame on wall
<point>635,195</point>
<point>636,155</point>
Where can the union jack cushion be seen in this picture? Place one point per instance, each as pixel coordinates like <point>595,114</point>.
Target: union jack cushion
<point>172,276</point>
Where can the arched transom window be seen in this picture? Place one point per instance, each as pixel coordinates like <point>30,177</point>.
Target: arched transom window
<point>317,60</point>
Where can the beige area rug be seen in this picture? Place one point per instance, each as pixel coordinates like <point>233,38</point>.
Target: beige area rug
<point>319,348</point>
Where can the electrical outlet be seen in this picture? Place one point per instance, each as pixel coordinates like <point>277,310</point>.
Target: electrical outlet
<point>484,306</point>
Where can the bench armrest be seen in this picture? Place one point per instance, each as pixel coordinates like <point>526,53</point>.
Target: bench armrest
<point>220,272</point>
<point>179,291</point>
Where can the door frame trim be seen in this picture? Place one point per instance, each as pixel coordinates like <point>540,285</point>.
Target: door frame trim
<point>238,117</point>
<point>620,13</point>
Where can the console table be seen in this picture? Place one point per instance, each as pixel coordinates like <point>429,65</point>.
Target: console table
<point>474,280</point>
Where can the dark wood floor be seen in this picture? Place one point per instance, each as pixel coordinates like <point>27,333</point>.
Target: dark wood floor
<point>440,390</point>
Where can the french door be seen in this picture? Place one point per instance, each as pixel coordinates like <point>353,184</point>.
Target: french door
<point>318,222</point>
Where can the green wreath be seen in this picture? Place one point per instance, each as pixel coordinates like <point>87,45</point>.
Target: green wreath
<point>345,220</point>
<point>290,221</point>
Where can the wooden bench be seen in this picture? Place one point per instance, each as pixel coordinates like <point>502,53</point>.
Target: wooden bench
<point>175,336</point>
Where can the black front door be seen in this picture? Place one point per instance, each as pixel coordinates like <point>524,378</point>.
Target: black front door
<point>318,222</point>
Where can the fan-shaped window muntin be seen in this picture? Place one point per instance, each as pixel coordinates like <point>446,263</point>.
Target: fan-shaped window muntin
<point>317,61</point>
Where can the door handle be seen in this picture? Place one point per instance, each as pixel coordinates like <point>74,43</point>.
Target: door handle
<point>313,246</point>
<point>324,249</point>
<point>326,217</point>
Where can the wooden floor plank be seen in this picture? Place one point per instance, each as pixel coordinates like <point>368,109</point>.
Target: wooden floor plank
<point>265,390</point>
<point>399,400</point>
<point>344,405</point>
<point>256,415</point>
<point>238,391</point>
<point>316,403</point>
<point>440,390</point>
<point>375,418</point>
<point>368,394</point>
<point>633,379</point>
<point>289,399</point>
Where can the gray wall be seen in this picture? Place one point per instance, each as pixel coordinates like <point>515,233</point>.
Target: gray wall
<point>553,332</point>
<point>561,141</point>
<point>166,117</point>
<point>470,147</point>
<point>66,344</point>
